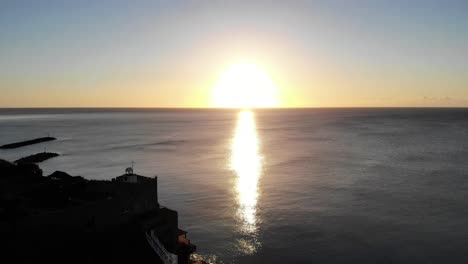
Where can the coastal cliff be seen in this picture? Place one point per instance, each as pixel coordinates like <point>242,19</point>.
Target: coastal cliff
<point>65,219</point>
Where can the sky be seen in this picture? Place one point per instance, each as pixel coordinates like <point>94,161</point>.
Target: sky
<point>349,53</point>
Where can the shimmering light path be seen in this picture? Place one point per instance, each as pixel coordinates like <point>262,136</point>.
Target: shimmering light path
<point>246,161</point>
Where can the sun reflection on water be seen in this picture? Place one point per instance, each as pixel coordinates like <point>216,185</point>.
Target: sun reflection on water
<point>246,161</point>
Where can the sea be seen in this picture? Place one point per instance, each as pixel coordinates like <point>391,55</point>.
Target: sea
<point>330,185</point>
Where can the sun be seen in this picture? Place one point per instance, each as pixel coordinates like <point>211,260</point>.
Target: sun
<point>245,85</point>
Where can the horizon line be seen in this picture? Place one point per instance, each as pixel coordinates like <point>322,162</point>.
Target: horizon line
<point>235,108</point>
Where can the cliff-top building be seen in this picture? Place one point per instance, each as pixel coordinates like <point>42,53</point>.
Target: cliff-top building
<point>64,219</point>
<point>160,223</point>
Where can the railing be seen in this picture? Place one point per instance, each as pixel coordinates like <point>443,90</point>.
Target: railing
<point>166,256</point>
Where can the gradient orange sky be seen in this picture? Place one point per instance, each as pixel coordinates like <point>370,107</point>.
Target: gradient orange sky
<point>171,53</point>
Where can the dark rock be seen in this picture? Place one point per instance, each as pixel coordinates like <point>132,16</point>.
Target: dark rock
<point>19,171</point>
<point>6,168</point>
<point>60,175</point>
<point>29,170</point>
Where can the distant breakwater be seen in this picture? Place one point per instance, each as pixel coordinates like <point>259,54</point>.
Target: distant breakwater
<point>27,143</point>
<point>39,157</point>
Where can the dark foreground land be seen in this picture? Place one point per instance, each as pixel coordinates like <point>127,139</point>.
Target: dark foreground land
<point>27,143</point>
<point>64,219</point>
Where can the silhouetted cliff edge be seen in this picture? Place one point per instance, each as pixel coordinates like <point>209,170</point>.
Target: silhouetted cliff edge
<point>64,219</point>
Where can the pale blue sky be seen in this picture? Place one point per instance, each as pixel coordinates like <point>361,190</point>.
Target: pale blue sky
<point>169,53</point>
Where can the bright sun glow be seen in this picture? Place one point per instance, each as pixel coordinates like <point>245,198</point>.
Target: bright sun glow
<point>245,85</point>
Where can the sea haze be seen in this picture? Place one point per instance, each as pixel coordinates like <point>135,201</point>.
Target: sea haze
<point>333,186</point>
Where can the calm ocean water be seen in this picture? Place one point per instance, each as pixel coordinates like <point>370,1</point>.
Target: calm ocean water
<point>280,186</point>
